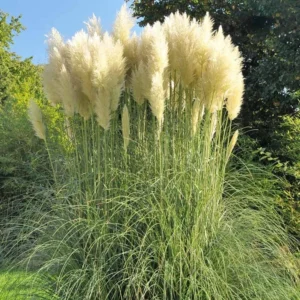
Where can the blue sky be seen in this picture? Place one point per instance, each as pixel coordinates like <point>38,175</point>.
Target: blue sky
<point>67,16</point>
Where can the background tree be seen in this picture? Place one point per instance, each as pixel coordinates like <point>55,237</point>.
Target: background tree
<point>20,152</point>
<point>18,78</point>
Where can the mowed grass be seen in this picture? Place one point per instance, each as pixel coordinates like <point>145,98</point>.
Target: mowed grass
<point>18,285</point>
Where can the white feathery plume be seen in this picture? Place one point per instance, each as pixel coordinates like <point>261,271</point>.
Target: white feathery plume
<point>80,61</point>
<point>99,77</point>
<point>153,52</point>
<point>109,69</point>
<point>50,84</point>
<point>215,73</point>
<point>90,68</point>
<point>57,52</point>
<point>232,144</point>
<point>36,119</point>
<point>131,54</point>
<point>109,63</point>
<point>207,27</point>
<point>55,41</point>
<point>121,32</point>
<point>93,26</point>
<point>115,95</point>
<point>202,47</point>
<point>235,97</point>
<point>140,84</point>
<point>220,72</point>
<point>180,35</point>
<point>107,77</point>
<point>67,73</point>
<point>116,66</point>
<point>157,98</point>
<point>67,92</point>
<point>99,61</point>
<point>102,108</point>
<point>154,49</point>
<point>145,44</point>
<point>123,24</point>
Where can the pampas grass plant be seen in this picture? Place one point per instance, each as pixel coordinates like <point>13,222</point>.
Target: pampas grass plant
<point>159,217</point>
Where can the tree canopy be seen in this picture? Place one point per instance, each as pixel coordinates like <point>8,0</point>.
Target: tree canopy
<point>18,78</point>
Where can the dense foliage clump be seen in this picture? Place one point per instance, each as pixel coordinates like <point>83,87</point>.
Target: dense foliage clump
<point>267,33</point>
<point>129,187</point>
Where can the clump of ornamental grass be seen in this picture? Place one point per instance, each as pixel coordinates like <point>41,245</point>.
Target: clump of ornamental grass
<point>144,210</point>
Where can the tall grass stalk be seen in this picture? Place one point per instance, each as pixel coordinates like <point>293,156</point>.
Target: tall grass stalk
<point>158,219</point>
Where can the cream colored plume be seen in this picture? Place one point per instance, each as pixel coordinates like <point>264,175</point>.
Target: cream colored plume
<point>157,98</point>
<point>109,64</point>
<point>125,127</point>
<point>36,119</point>
<point>235,97</point>
<point>115,95</point>
<point>93,26</point>
<point>51,85</point>
<point>67,92</point>
<point>50,77</point>
<point>80,62</point>
<point>202,48</point>
<point>109,70</point>
<point>213,81</point>
<point>121,31</point>
<point>123,25</point>
<point>148,78</point>
<point>88,72</point>
<point>131,54</point>
<point>55,41</point>
<point>232,143</point>
<point>207,27</point>
<point>220,72</point>
<point>117,70</point>
<point>67,77</point>
<point>182,39</point>
<point>177,28</point>
<point>97,74</point>
<point>102,108</point>
<point>140,83</point>
<point>99,68</point>
<point>154,49</point>
<point>56,50</point>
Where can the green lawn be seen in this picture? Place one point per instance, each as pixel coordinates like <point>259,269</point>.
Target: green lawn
<point>18,286</point>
